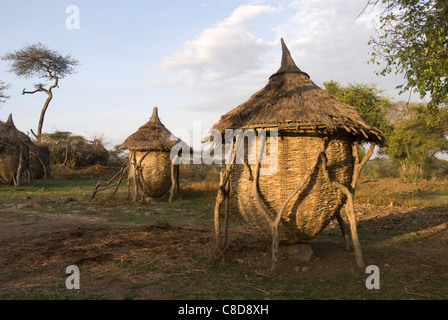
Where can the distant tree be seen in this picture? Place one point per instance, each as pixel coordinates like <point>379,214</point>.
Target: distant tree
<point>412,39</point>
<point>37,60</point>
<point>401,111</point>
<point>416,140</point>
<point>3,97</point>
<point>368,100</point>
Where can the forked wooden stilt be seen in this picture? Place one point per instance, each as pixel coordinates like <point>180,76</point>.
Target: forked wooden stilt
<point>274,223</point>
<point>349,193</point>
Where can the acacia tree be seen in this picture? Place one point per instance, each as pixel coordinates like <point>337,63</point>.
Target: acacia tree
<point>39,61</point>
<point>412,39</point>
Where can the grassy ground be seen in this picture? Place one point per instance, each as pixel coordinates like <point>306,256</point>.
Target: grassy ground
<point>160,250</point>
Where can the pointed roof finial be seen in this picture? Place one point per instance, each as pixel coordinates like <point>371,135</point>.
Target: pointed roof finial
<point>9,121</point>
<point>155,116</point>
<point>288,65</point>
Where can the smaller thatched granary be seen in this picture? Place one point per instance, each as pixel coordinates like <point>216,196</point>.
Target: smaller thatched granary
<point>15,149</point>
<point>151,168</point>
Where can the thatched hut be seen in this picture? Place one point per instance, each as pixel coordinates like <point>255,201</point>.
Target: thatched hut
<point>15,149</point>
<point>317,160</point>
<point>151,168</point>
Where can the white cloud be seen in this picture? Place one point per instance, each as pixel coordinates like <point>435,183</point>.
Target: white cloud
<point>222,51</point>
<point>328,40</point>
<point>225,64</point>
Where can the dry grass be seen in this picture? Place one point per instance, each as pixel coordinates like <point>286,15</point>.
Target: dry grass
<point>166,251</point>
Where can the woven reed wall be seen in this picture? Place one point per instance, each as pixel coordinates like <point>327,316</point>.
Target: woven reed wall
<point>155,177</point>
<point>9,163</point>
<point>310,211</point>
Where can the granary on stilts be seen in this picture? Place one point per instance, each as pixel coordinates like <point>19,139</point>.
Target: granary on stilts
<point>316,161</point>
<point>153,165</point>
<point>15,147</point>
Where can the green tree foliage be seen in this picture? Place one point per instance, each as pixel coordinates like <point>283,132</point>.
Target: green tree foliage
<point>412,39</point>
<point>368,100</point>
<point>415,141</point>
<point>37,60</point>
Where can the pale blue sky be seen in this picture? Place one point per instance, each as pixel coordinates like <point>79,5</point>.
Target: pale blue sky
<point>194,60</point>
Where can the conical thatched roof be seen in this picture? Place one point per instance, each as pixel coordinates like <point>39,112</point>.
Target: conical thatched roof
<point>291,101</point>
<point>152,136</point>
<point>10,136</point>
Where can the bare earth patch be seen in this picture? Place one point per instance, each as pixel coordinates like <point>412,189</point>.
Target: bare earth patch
<point>134,261</point>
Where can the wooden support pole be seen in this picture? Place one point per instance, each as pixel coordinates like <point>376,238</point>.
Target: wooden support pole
<point>223,197</point>
<point>343,227</point>
<point>349,193</point>
<point>18,180</point>
<point>174,178</point>
<point>274,223</point>
<point>179,192</point>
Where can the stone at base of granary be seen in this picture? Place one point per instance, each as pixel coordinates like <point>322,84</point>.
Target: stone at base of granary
<point>301,251</point>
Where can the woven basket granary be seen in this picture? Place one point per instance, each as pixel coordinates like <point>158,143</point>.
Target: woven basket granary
<point>310,123</point>
<point>310,210</point>
<point>154,171</point>
<point>150,163</point>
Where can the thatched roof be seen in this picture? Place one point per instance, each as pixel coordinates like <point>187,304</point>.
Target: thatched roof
<point>152,136</point>
<point>10,136</point>
<point>291,101</point>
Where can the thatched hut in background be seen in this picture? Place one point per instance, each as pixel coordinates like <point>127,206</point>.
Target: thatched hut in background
<point>318,164</point>
<point>15,149</point>
<point>151,169</point>
<point>72,150</point>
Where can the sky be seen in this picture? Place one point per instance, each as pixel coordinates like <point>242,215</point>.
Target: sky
<point>195,60</point>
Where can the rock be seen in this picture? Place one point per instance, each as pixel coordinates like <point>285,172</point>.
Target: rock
<point>302,251</point>
<point>305,269</point>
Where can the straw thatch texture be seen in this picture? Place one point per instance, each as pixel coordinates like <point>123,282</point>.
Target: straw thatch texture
<point>291,101</point>
<point>153,135</point>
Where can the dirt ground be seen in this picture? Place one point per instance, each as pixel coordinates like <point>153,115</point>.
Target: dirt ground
<point>32,240</point>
